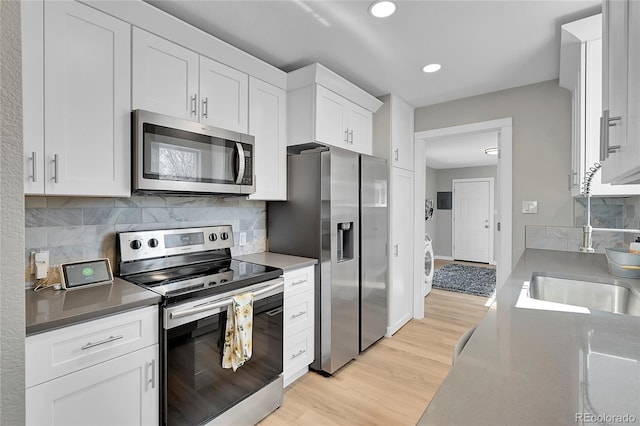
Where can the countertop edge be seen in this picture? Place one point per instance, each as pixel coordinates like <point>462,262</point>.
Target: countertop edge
<point>286,262</point>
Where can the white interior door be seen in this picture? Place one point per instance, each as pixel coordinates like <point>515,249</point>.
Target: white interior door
<point>472,220</point>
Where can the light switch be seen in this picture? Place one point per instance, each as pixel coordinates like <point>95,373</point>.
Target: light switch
<point>530,207</point>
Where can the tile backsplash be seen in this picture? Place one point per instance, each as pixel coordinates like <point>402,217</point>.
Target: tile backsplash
<point>73,228</point>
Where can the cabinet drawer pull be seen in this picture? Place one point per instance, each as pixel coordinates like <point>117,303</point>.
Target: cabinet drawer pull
<point>397,154</point>
<point>351,137</point>
<point>102,342</point>
<point>298,282</point>
<point>34,177</point>
<point>395,250</point>
<point>299,314</point>
<point>300,352</point>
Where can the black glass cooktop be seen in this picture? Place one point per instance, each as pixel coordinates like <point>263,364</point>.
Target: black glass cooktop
<point>208,277</point>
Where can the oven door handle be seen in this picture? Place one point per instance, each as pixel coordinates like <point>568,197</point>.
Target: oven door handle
<point>222,303</point>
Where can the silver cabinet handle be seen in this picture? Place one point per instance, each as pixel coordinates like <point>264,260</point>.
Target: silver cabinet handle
<point>151,381</point>
<point>101,342</point>
<point>605,122</point>
<point>55,168</point>
<point>205,107</point>
<point>34,176</point>
<point>298,282</point>
<point>397,154</point>
<point>298,315</point>
<point>300,352</point>
<point>346,136</point>
<point>194,104</point>
<point>351,137</point>
<point>395,250</point>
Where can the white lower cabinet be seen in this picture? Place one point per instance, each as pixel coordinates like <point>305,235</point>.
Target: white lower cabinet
<point>101,372</point>
<point>298,351</point>
<point>401,250</point>
<point>121,391</point>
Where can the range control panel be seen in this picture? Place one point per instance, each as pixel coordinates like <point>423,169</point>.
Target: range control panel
<point>139,245</point>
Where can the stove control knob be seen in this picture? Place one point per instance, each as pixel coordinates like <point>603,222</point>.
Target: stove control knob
<point>153,243</point>
<point>213,237</point>
<point>135,244</point>
<point>224,235</point>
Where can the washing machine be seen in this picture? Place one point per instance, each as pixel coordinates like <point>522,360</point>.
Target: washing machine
<point>428,264</point>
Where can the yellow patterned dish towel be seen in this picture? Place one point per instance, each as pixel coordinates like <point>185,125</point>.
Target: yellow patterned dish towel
<point>238,339</point>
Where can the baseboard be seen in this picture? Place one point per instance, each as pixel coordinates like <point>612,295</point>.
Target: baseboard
<point>443,257</point>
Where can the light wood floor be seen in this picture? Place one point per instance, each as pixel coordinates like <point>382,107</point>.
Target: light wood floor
<point>392,382</point>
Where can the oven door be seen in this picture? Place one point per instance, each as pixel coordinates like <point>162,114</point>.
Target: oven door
<point>196,387</point>
<point>174,155</point>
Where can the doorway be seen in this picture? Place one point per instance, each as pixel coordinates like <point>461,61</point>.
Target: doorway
<point>472,223</point>
<point>503,216</point>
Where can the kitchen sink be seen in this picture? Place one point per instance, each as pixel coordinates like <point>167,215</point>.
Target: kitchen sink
<point>596,294</point>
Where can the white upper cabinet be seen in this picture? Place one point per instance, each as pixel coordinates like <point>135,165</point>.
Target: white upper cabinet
<point>224,96</point>
<point>326,109</point>
<point>620,142</point>
<point>79,142</point>
<point>581,72</point>
<point>169,79</point>
<point>394,133</point>
<point>165,76</point>
<point>267,123</point>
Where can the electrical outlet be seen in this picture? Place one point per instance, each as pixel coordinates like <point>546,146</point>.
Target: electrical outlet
<point>243,239</point>
<point>41,261</point>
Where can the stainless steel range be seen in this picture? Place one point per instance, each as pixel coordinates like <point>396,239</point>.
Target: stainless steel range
<point>193,270</point>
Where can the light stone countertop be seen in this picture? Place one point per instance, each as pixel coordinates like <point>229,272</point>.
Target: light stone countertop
<point>538,367</point>
<point>283,261</point>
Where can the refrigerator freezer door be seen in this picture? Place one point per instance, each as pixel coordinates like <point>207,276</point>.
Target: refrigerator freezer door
<point>339,296</point>
<point>373,249</point>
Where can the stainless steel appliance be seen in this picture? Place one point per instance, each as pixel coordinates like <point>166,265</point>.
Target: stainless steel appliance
<point>171,155</point>
<point>192,269</point>
<point>325,219</point>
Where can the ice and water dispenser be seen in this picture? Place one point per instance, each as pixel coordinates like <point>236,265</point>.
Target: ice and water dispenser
<point>345,241</point>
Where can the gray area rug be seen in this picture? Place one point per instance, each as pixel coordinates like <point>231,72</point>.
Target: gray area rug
<point>474,280</point>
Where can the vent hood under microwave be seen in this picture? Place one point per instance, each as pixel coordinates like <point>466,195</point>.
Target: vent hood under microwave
<point>175,156</point>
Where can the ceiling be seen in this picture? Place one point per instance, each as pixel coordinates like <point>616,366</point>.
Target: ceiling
<point>483,46</point>
<point>466,150</point>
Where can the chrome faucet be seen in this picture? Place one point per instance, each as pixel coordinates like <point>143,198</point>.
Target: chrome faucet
<point>587,230</point>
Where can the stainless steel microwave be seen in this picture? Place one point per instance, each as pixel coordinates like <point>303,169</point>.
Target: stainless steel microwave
<point>175,156</point>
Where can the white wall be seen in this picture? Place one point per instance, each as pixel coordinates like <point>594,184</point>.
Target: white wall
<point>12,315</point>
<point>431,189</point>
<point>541,115</point>
<point>442,241</point>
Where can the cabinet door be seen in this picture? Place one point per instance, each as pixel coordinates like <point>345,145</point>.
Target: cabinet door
<point>360,127</point>
<point>620,91</point>
<point>87,101</point>
<point>267,115</point>
<point>401,249</point>
<point>32,15</point>
<point>402,139</point>
<point>224,96</point>
<point>165,76</point>
<point>121,391</point>
<point>330,124</point>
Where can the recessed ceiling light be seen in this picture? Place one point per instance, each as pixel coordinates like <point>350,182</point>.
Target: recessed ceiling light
<point>382,9</point>
<point>431,67</point>
<point>491,151</point>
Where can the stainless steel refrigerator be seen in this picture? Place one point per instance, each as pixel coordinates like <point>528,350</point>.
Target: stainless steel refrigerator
<point>322,219</point>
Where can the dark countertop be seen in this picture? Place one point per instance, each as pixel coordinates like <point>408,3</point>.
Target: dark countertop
<point>49,309</point>
<point>527,364</point>
<point>283,261</point>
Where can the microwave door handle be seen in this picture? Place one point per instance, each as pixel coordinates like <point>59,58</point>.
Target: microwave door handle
<point>241,165</point>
